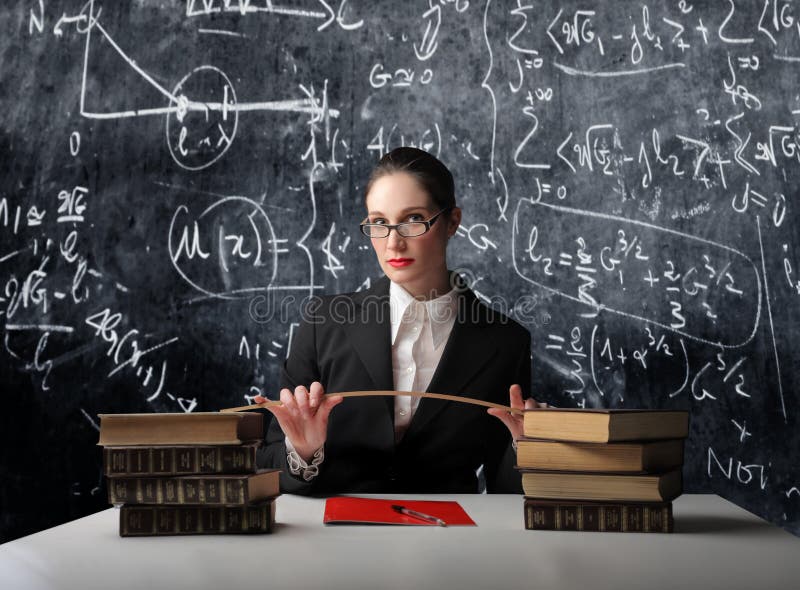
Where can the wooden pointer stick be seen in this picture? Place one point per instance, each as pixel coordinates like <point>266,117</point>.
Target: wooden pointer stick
<point>443,396</point>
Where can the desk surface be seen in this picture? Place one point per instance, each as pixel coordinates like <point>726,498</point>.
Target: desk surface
<point>716,545</point>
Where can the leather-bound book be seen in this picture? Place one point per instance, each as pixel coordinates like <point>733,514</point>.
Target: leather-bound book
<point>137,521</point>
<point>195,489</point>
<point>179,459</point>
<point>622,517</point>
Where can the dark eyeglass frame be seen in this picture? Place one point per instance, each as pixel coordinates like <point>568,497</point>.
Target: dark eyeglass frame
<point>397,226</point>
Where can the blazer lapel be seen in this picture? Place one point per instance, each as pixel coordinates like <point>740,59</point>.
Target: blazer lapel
<point>465,355</point>
<point>370,334</point>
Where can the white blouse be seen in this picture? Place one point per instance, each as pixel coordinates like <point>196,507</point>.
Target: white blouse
<point>420,330</point>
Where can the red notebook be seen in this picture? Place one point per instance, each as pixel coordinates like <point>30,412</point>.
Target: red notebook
<point>349,510</point>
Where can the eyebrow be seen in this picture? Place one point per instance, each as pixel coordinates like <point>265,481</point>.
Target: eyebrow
<point>406,210</point>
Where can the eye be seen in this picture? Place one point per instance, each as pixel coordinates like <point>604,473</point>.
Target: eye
<point>378,220</point>
<point>416,217</point>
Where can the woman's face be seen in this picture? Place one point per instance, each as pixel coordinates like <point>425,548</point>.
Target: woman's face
<point>418,263</point>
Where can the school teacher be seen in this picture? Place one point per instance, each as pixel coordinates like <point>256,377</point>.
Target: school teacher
<point>419,328</point>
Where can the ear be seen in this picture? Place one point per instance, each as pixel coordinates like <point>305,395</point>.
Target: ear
<point>453,221</point>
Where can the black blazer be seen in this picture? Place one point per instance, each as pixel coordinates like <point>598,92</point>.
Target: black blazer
<point>344,342</point>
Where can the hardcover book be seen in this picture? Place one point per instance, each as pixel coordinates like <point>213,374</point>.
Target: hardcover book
<point>195,489</point>
<point>545,515</point>
<point>604,425</point>
<point>660,487</point>
<point>137,521</point>
<point>200,428</point>
<point>179,460</point>
<point>632,457</point>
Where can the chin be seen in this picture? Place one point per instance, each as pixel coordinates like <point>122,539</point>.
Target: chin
<point>398,275</point>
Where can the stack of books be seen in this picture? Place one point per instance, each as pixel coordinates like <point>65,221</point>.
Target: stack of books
<point>601,470</point>
<point>188,474</point>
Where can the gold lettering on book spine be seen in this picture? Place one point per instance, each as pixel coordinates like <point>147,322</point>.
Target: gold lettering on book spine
<point>234,491</point>
<point>120,490</point>
<point>212,491</point>
<point>119,463</point>
<point>184,462</point>
<point>569,520</point>
<point>170,491</point>
<point>191,493</point>
<point>208,461</point>
<point>611,518</point>
<point>166,524</point>
<point>162,461</point>
<point>241,458</point>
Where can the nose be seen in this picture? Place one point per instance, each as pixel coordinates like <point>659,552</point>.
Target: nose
<point>395,241</point>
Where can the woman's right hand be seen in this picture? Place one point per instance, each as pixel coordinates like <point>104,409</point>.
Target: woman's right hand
<point>303,417</point>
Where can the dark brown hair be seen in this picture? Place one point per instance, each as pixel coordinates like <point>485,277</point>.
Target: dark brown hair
<point>432,175</point>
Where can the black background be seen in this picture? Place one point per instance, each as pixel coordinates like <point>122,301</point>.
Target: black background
<point>677,142</point>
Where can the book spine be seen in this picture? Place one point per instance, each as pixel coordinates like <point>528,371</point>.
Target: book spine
<point>577,516</point>
<point>120,461</point>
<point>178,490</point>
<point>137,521</point>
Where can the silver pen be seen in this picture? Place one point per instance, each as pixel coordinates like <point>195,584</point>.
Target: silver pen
<point>420,515</point>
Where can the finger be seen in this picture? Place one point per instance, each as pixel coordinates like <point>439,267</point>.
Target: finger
<point>315,394</point>
<point>531,404</point>
<point>289,402</point>
<point>301,397</point>
<point>515,396</point>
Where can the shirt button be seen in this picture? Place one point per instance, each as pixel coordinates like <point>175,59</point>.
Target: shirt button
<point>415,329</point>
<point>409,369</point>
<point>402,412</point>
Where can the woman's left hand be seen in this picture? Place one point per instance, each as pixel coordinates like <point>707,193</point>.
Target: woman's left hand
<point>514,421</point>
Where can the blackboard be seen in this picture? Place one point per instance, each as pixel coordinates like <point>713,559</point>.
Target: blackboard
<point>178,176</point>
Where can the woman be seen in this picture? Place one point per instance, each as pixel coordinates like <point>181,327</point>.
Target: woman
<point>419,328</point>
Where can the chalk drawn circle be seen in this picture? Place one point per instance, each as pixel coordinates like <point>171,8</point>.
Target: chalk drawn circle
<point>203,124</point>
<point>205,257</point>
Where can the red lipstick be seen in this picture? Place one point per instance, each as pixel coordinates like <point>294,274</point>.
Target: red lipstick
<point>400,262</point>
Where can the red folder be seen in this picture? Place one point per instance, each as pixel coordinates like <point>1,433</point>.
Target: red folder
<point>350,510</point>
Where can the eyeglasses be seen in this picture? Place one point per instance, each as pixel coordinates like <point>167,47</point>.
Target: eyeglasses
<point>408,229</point>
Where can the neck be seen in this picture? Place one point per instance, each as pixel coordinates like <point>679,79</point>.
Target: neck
<point>430,289</point>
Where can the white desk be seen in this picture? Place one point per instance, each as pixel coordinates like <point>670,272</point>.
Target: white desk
<point>716,545</point>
